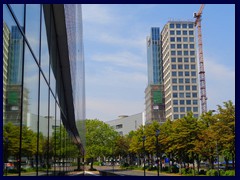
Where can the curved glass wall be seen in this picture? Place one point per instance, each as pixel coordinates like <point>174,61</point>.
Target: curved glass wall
<point>39,134</point>
<point>76,57</point>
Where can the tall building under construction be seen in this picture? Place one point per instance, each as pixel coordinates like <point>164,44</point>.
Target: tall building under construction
<point>178,78</point>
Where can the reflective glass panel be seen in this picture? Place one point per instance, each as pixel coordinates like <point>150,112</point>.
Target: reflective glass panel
<point>44,49</point>
<point>33,27</point>
<point>43,125</point>
<point>30,111</point>
<point>18,10</point>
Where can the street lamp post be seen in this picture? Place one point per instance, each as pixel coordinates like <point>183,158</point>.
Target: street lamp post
<point>143,139</point>
<point>217,158</point>
<point>157,134</point>
<point>6,155</point>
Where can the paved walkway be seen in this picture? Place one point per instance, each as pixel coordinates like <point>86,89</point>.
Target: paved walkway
<point>116,170</point>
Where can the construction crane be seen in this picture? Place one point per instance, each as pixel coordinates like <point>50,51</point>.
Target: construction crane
<point>201,61</point>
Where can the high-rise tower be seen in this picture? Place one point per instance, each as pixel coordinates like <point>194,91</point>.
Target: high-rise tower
<point>154,57</point>
<point>154,96</point>
<point>180,69</point>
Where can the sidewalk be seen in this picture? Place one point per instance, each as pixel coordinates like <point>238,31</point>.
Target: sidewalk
<point>121,172</point>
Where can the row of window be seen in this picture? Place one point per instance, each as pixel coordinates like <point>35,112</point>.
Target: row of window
<point>183,109</point>
<point>185,53</point>
<point>181,88</point>
<point>181,25</point>
<point>180,46</point>
<point>183,102</point>
<point>186,73</point>
<point>186,59</point>
<point>180,66</point>
<point>177,116</point>
<point>184,32</point>
<point>181,39</point>
<point>187,88</point>
<point>180,74</point>
<point>183,95</point>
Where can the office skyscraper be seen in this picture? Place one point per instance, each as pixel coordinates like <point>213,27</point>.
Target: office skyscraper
<point>172,71</point>
<point>180,69</point>
<point>154,96</point>
<point>154,57</point>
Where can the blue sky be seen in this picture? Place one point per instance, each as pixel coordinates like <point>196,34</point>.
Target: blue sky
<point>116,61</point>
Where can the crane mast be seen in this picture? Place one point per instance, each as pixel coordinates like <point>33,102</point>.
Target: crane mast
<point>201,61</point>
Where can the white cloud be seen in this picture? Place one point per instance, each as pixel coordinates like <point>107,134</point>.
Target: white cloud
<point>109,109</point>
<point>136,42</point>
<point>220,83</point>
<point>97,14</point>
<point>110,77</point>
<point>125,59</point>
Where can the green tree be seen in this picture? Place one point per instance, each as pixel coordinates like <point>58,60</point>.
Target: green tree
<point>226,131</point>
<point>166,140</point>
<point>121,147</point>
<point>11,135</point>
<point>136,142</point>
<point>100,140</point>
<point>61,144</point>
<point>151,143</point>
<point>184,133</point>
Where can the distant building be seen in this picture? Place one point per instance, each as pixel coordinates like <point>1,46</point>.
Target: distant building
<point>124,124</point>
<point>154,92</point>
<point>46,124</point>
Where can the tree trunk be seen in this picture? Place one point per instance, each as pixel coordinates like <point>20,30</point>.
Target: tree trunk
<point>198,164</point>
<point>212,162</point>
<point>193,167</point>
<point>91,163</point>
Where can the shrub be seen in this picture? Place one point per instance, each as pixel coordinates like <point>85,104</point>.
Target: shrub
<point>97,163</point>
<point>222,173</point>
<point>165,169</point>
<point>174,169</point>
<point>190,171</point>
<point>125,165</point>
<point>202,172</point>
<point>184,171</point>
<point>212,172</point>
<point>230,173</point>
<point>12,171</point>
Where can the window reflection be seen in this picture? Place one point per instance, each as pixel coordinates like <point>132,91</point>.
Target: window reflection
<point>44,49</point>
<point>12,73</point>
<point>33,27</point>
<point>43,124</point>
<point>18,10</point>
<point>30,108</point>
<point>12,90</point>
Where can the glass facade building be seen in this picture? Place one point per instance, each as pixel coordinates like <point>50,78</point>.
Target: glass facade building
<point>43,89</point>
<point>154,94</point>
<point>154,57</point>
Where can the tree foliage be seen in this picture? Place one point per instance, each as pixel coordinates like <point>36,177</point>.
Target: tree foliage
<point>100,139</point>
<point>189,138</point>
